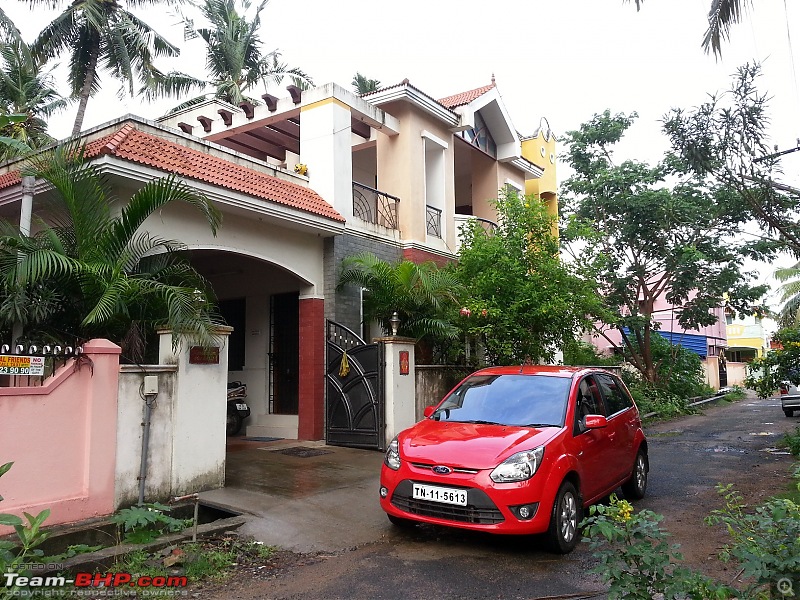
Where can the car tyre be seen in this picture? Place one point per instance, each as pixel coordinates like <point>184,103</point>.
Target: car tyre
<point>401,522</point>
<point>233,423</point>
<point>636,486</point>
<point>565,516</point>
<point>788,412</point>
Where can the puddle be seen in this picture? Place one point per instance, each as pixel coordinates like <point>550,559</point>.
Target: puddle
<point>725,449</point>
<point>763,433</point>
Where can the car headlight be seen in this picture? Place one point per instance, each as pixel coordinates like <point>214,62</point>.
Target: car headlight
<point>518,467</point>
<point>392,458</point>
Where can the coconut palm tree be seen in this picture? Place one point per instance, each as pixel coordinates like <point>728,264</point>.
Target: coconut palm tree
<point>790,295</point>
<point>721,15</point>
<point>363,85</point>
<point>102,35</point>
<point>90,271</point>
<point>420,293</point>
<point>27,90</point>
<point>234,58</point>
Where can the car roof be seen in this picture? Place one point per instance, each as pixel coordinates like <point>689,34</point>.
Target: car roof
<point>548,370</point>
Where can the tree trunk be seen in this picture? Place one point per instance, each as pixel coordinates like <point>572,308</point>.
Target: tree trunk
<point>91,73</point>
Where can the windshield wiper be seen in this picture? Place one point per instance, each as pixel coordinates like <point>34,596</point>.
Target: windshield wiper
<point>479,422</point>
<point>540,425</point>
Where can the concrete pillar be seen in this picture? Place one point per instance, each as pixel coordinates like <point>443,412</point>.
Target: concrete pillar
<point>311,409</point>
<point>198,411</point>
<point>325,148</point>
<point>399,385</point>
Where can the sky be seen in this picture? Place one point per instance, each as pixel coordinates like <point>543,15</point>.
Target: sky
<point>562,60</point>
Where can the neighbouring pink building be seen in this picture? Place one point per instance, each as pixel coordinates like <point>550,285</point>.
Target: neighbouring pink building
<point>707,342</point>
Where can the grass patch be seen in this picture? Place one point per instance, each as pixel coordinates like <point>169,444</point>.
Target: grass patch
<point>205,560</point>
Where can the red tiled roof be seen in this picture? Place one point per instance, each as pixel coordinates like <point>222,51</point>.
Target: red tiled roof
<point>465,97</point>
<point>9,179</point>
<point>128,143</point>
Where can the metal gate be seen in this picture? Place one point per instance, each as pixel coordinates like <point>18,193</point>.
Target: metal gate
<point>354,399</point>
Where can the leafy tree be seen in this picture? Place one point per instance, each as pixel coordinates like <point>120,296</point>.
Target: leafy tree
<point>724,143</point>
<point>234,58</point>
<point>29,91</point>
<point>782,364</point>
<point>103,35</point>
<point>362,85</point>
<point>91,271</point>
<point>722,14</point>
<point>645,241</point>
<point>422,294</point>
<point>521,301</point>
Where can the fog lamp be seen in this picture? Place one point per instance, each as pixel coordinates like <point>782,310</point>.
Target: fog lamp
<point>525,512</point>
<point>384,492</point>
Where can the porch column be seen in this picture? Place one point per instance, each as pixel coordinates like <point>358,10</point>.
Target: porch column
<point>311,409</point>
<point>325,148</point>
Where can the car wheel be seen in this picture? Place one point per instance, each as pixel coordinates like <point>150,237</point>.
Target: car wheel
<point>788,412</point>
<point>636,486</point>
<point>233,423</point>
<point>401,522</point>
<point>564,518</point>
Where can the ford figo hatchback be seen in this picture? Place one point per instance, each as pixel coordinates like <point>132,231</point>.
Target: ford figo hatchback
<point>518,450</point>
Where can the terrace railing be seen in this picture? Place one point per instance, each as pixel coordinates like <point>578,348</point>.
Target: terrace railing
<point>375,206</point>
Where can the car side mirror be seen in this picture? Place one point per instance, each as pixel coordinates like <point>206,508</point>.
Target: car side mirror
<point>595,421</point>
<point>428,411</point>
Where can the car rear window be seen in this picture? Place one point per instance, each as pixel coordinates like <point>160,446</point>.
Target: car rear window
<point>521,400</point>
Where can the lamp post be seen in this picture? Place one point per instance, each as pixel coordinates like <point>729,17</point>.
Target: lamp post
<point>395,322</point>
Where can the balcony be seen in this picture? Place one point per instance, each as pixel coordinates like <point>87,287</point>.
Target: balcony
<point>433,221</point>
<point>374,206</point>
<point>465,222</point>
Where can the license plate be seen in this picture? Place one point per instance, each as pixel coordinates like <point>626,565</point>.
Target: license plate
<point>241,407</point>
<point>435,493</point>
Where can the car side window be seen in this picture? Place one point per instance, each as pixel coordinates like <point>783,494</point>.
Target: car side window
<point>615,395</point>
<point>588,402</point>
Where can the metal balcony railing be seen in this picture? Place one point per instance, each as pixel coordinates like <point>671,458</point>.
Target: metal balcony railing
<point>433,219</point>
<point>375,206</point>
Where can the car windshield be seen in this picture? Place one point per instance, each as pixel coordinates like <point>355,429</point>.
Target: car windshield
<point>517,400</point>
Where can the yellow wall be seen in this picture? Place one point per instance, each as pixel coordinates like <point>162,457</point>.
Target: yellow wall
<point>546,186</point>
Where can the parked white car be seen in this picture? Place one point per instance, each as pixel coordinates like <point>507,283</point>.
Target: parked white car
<point>790,398</point>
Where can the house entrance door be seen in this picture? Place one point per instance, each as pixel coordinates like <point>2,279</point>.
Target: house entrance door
<point>284,354</point>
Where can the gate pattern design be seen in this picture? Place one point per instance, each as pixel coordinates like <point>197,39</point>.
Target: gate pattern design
<point>354,390</point>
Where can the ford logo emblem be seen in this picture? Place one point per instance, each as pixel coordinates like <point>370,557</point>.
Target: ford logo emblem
<point>441,470</point>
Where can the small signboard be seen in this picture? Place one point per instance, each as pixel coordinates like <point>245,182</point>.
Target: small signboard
<point>15,364</point>
<point>200,355</point>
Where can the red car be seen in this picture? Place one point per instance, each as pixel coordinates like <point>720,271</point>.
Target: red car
<point>518,450</point>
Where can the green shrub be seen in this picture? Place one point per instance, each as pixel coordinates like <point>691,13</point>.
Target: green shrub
<point>143,524</point>
<point>637,562</point>
<point>791,441</point>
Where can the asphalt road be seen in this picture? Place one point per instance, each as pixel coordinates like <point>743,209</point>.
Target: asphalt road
<point>688,457</point>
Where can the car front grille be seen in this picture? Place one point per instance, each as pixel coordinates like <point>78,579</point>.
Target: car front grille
<point>479,510</point>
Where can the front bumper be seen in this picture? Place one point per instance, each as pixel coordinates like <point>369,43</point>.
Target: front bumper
<point>490,507</point>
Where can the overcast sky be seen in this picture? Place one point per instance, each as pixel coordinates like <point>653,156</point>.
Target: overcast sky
<point>562,59</point>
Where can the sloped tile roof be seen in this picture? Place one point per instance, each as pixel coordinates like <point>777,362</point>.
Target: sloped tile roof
<point>465,97</point>
<point>129,143</point>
